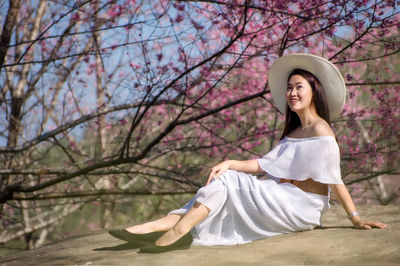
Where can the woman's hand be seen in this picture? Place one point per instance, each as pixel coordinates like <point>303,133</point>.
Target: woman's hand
<point>361,224</point>
<point>218,170</point>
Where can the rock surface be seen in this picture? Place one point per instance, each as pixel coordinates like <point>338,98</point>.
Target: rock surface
<point>337,243</point>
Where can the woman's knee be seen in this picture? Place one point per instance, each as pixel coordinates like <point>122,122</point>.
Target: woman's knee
<point>199,205</point>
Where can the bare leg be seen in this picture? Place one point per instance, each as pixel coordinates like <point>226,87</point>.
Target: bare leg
<point>195,215</point>
<point>162,224</point>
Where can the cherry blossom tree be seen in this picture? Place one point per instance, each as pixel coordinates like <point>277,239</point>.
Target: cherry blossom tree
<point>105,101</point>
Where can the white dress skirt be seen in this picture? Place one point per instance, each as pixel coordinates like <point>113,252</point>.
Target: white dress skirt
<point>244,208</point>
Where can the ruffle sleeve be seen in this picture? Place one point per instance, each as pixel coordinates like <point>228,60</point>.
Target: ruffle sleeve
<point>299,159</point>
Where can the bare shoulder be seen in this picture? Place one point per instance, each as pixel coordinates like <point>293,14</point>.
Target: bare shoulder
<point>322,128</point>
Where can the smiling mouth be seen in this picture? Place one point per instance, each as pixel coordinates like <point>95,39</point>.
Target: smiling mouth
<point>294,101</point>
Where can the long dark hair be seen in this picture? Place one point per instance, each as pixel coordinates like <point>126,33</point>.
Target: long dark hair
<point>292,120</point>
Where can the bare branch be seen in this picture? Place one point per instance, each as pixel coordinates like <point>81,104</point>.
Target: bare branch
<point>395,82</point>
<point>8,28</point>
<point>373,175</point>
<point>69,125</point>
<point>101,192</point>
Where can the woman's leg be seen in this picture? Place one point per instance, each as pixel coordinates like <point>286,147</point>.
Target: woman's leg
<point>195,215</point>
<point>169,221</point>
<point>163,224</point>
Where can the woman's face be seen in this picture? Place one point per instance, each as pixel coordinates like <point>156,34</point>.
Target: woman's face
<point>299,94</point>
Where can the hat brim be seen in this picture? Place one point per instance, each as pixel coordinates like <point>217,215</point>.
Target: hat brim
<point>329,76</point>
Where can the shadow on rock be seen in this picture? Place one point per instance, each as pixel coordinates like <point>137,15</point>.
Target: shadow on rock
<point>125,246</point>
<point>335,227</point>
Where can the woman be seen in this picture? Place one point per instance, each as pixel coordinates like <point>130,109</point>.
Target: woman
<point>235,207</point>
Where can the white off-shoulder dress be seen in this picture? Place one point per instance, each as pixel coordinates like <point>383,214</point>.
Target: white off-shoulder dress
<point>244,208</point>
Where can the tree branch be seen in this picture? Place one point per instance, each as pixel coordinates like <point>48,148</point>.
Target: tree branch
<point>99,193</point>
<point>69,125</point>
<point>7,195</point>
<point>373,83</point>
<point>8,28</point>
<point>358,180</point>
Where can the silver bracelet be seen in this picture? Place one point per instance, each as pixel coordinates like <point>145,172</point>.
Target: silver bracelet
<point>351,215</point>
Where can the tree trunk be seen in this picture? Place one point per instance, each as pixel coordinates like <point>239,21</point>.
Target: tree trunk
<point>8,29</point>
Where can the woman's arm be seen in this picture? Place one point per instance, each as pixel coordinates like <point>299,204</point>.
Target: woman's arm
<point>249,166</point>
<point>345,200</point>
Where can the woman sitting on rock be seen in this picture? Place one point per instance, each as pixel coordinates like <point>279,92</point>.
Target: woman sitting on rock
<point>235,207</point>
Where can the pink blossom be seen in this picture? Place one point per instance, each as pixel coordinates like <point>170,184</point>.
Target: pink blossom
<point>135,66</point>
<point>179,18</point>
<point>76,16</point>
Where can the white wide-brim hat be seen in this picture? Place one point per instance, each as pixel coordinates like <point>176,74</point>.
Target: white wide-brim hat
<point>328,75</point>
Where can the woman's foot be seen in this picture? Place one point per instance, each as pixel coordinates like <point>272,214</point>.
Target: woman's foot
<point>140,239</point>
<point>170,237</point>
<point>162,224</point>
<point>142,228</point>
<point>182,243</point>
